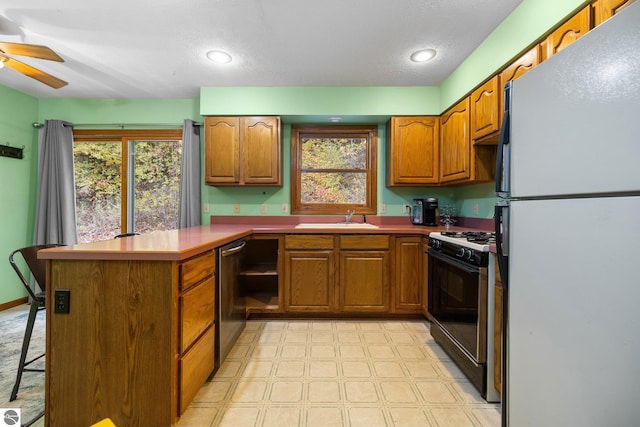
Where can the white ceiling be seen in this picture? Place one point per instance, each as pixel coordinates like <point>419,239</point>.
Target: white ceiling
<point>157,48</point>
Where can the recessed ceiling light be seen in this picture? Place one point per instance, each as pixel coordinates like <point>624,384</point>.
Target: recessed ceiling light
<point>423,55</point>
<point>219,56</point>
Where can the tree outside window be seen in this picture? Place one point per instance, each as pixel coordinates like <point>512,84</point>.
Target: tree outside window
<point>333,169</point>
<point>126,181</point>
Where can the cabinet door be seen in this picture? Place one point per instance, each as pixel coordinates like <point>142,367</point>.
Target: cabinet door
<point>517,68</point>
<point>309,281</point>
<point>222,150</point>
<point>576,27</point>
<point>485,109</point>
<point>364,281</point>
<point>413,148</point>
<point>261,150</point>
<point>408,281</point>
<point>454,143</point>
<point>605,9</point>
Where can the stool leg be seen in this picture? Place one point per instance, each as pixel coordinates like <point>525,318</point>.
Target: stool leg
<point>25,347</point>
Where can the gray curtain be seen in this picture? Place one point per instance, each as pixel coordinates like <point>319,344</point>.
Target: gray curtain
<point>189,213</point>
<point>56,203</point>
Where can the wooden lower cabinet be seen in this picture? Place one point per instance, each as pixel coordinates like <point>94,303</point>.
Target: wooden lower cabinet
<point>309,270</point>
<point>364,281</point>
<point>309,280</point>
<point>137,343</point>
<point>408,279</point>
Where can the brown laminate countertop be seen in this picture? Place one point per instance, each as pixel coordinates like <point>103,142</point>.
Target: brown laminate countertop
<point>180,244</point>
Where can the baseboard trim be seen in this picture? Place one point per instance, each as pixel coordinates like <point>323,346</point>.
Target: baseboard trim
<point>14,303</point>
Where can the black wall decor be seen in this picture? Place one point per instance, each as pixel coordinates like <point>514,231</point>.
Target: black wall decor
<point>13,152</point>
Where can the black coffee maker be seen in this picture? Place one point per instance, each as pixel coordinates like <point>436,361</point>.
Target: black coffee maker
<point>423,211</point>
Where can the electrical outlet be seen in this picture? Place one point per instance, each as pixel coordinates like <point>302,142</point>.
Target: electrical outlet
<point>407,209</point>
<point>206,208</point>
<point>236,208</point>
<point>284,208</point>
<point>475,209</point>
<point>383,208</point>
<point>61,301</point>
<point>263,208</point>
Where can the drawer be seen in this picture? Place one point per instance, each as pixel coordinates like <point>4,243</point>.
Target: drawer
<point>196,269</point>
<point>195,368</point>
<point>364,242</point>
<point>305,241</point>
<point>196,312</point>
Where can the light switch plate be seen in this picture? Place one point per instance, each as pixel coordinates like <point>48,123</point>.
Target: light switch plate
<point>284,208</point>
<point>236,208</point>
<point>263,208</point>
<point>206,208</point>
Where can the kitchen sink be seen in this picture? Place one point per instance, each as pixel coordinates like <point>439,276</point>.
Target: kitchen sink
<point>336,225</point>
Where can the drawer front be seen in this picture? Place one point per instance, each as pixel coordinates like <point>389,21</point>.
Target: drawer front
<point>196,312</point>
<point>195,368</point>
<point>196,269</point>
<point>365,242</point>
<point>305,241</point>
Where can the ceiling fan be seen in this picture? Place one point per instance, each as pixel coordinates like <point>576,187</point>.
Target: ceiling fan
<point>33,51</point>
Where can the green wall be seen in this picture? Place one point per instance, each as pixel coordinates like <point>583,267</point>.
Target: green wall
<point>530,20</point>
<point>374,103</point>
<point>525,25</point>
<point>18,184</point>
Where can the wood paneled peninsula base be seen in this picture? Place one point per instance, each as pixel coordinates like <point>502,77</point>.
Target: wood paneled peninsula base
<point>138,340</point>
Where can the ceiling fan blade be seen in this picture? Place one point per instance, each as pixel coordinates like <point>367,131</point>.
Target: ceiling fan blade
<point>32,72</point>
<point>32,50</point>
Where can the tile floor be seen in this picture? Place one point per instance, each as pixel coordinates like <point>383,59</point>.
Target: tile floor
<point>339,373</point>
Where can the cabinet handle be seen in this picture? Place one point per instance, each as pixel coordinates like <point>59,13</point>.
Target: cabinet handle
<point>234,250</point>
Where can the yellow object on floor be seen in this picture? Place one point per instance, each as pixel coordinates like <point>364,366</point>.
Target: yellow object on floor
<point>104,423</point>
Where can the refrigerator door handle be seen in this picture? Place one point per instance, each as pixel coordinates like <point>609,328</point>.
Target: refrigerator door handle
<point>502,239</point>
<point>503,160</point>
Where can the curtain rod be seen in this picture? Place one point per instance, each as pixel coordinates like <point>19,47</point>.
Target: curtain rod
<point>122,125</point>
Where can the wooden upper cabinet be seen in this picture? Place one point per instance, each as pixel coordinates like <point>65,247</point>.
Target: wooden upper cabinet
<point>455,143</point>
<point>412,150</point>
<point>517,68</point>
<point>242,151</point>
<point>485,110</point>
<point>261,150</point>
<point>221,150</point>
<point>577,26</point>
<point>605,9</point>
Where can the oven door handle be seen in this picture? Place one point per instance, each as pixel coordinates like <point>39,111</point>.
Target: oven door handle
<point>452,261</point>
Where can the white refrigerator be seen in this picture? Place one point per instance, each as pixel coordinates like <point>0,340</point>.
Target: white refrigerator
<point>568,234</point>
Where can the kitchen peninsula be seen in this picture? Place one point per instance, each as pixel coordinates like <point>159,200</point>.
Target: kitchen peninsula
<point>136,339</point>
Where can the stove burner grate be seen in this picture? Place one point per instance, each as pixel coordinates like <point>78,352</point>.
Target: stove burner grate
<point>480,237</point>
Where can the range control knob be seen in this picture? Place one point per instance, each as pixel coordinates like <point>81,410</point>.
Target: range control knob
<point>468,254</point>
<point>434,243</point>
<point>460,253</point>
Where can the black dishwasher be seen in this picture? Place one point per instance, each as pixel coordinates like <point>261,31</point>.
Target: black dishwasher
<point>231,305</point>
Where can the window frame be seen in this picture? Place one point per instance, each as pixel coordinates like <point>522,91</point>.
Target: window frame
<point>370,132</point>
<point>125,135</point>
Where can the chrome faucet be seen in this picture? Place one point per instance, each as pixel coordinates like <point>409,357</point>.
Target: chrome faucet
<point>350,213</point>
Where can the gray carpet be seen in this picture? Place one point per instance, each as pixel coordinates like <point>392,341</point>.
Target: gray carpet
<point>31,393</point>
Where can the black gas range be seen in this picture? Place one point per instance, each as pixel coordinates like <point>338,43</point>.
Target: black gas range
<point>461,303</point>
<point>468,246</point>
